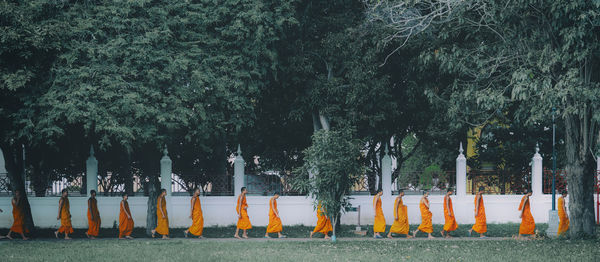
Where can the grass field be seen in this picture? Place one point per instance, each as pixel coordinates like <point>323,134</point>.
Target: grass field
<point>219,246</point>
<point>300,250</point>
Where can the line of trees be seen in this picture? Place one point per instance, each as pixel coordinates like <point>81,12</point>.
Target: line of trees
<point>201,77</point>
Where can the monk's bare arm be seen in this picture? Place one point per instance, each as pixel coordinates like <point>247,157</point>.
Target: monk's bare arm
<point>239,206</point>
<point>192,208</point>
<point>273,207</point>
<point>375,204</point>
<point>162,213</point>
<point>523,207</point>
<point>477,205</point>
<point>60,205</point>
<point>90,208</point>
<point>124,209</point>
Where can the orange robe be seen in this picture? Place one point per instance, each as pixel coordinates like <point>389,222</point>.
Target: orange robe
<point>162,224</point>
<point>125,223</point>
<point>426,225</point>
<point>65,218</point>
<point>527,224</point>
<point>480,220</point>
<point>323,222</point>
<point>274,221</point>
<point>449,218</point>
<point>197,219</point>
<point>379,223</point>
<point>18,225</point>
<point>244,220</point>
<point>94,224</point>
<point>563,225</point>
<point>400,225</point>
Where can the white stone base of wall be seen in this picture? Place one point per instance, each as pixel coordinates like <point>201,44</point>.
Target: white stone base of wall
<point>294,210</point>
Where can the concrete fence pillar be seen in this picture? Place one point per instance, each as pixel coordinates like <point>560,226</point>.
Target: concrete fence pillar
<point>461,172</point>
<point>166,171</point>
<point>598,167</point>
<point>238,172</point>
<point>537,171</point>
<point>91,172</point>
<point>386,173</point>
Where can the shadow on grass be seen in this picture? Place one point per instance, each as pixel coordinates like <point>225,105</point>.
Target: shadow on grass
<point>494,230</point>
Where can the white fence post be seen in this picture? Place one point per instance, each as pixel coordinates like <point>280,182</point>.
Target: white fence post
<point>461,173</point>
<point>238,172</point>
<point>166,169</point>
<point>386,173</point>
<point>598,167</point>
<point>91,172</point>
<point>2,163</point>
<point>537,173</point>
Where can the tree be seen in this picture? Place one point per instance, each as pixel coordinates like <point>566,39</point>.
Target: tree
<point>30,39</point>
<point>334,158</point>
<point>530,55</point>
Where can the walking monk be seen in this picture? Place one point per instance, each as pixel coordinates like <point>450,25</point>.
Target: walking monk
<point>196,216</point>
<point>563,224</point>
<point>93,216</point>
<point>480,221</point>
<point>450,220</point>
<point>274,219</point>
<point>243,218</point>
<point>400,225</point>
<point>323,223</point>
<point>18,216</point>
<point>379,223</point>
<point>64,215</point>
<point>162,219</point>
<point>426,226</point>
<point>125,219</point>
<point>527,223</point>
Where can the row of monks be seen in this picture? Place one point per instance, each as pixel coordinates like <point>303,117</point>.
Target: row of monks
<point>399,226</point>
<point>162,227</point>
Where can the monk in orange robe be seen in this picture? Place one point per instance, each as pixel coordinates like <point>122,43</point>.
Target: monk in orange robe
<point>274,219</point>
<point>527,223</point>
<point>379,222</point>
<point>93,216</point>
<point>450,220</point>
<point>480,225</point>
<point>125,219</point>
<point>18,216</point>
<point>243,218</point>
<point>323,223</point>
<point>400,225</point>
<point>196,216</point>
<point>162,219</point>
<point>426,226</point>
<point>563,224</point>
<point>64,215</point>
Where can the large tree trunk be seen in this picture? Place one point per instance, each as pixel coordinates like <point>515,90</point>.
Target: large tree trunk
<point>152,189</point>
<point>580,169</point>
<point>14,166</point>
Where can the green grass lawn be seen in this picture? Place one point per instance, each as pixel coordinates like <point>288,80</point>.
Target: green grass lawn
<point>494,230</point>
<point>305,250</point>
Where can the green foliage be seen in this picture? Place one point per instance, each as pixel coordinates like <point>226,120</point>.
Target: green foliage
<point>516,60</point>
<point>430,173</point>
<point>334,160</point>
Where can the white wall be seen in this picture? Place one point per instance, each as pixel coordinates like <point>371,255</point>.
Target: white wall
<point>294,210</point>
